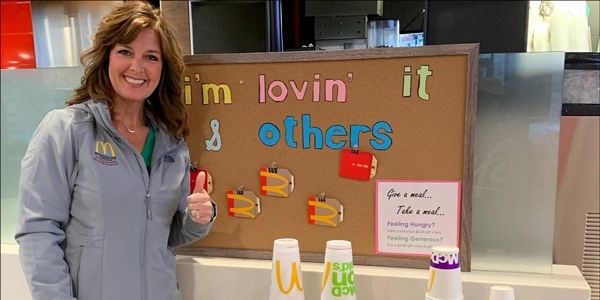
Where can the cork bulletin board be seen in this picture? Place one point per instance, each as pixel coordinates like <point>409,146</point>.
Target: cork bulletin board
<point>411,108</point>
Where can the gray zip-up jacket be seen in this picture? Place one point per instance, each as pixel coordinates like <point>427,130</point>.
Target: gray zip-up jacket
<point>93,224</point>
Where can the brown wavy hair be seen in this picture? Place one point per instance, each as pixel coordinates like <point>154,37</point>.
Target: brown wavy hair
<point>122,25</point>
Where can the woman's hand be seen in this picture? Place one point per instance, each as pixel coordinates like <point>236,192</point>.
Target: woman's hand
<point>199,202</point>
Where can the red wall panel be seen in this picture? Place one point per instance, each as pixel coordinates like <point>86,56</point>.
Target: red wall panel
<point>16,17</point>
<point>16,44</point>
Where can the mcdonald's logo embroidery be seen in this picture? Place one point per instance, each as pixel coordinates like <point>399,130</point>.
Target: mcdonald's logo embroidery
<point>276,182</point>
<point>242,204</point>
<point>294,279</point>
<point>325,211</point>
<point>105,153</point>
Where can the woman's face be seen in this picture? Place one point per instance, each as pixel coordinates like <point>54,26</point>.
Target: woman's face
<point>134,69</point>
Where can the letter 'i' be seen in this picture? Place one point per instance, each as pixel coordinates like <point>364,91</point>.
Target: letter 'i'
<point>316,88</point>
<point>407,82</point>
<point>187,90</point>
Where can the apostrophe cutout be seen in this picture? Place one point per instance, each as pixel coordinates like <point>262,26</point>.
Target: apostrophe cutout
<point>356,164</point>
<point>276,182</point>
<point>208,182</point>
<point>214,144</point>
<point>325,211</point>
<point>242,204</point>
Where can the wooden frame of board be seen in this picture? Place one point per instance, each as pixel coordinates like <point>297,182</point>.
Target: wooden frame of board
<point>270,108</point>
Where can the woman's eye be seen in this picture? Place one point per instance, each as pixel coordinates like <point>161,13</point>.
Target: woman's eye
<point>152,57</point>
<point>124,52</point>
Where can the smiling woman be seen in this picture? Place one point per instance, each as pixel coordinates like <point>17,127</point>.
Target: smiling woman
<point>134,71</point>
<point>100,205</point>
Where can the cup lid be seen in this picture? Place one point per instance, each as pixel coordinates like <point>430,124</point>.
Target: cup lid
<point>444,249</point>
<point>502,288</point>
<point>427,297</point>
<point>502,292</point>
<point>285,243</point>
<point>339,245</point>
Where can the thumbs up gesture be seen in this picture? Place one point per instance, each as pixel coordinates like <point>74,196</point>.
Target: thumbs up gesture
<point>199,202</point>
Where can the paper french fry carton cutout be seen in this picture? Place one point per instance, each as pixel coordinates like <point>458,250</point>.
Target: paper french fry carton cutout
<point>208,182</point>
<point>276,181</point>
<point>242,204</point>
<point>358,165</point>
<point>325,211</point>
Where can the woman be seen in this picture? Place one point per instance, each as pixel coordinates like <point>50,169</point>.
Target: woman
<point>104,188</point>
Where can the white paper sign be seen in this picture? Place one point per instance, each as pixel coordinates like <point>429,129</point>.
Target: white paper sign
<point>413,216</point>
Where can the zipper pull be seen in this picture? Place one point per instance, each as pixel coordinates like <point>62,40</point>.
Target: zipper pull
<point>148,207</point>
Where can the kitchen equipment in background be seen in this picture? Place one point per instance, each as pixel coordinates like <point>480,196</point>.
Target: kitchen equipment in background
<point>383,33</point>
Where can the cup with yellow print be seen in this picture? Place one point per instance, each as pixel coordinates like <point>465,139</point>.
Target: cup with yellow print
<point>286,274</point>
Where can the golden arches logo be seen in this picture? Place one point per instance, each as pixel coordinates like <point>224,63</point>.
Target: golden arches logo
<point>106,147</point>
<point>294,280</point>
<point>327,219</point>
<point>244,211</point>
<point>276,181</point>
<point>277,189</point>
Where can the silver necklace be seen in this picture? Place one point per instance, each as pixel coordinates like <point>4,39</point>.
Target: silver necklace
<point>130,131</point>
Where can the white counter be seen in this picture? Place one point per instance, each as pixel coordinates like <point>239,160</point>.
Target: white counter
<point>230,278</point>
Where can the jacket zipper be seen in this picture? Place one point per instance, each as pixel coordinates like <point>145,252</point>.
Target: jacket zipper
<point>142,165</point>
<point>148,205</point>
<point>148,217</point>
<point>144,273</point>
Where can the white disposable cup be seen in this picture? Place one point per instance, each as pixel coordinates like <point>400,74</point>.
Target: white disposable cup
<point>444,274</point>
<point>286,273</point>
<point>338,275</point>
<point>502,292</point>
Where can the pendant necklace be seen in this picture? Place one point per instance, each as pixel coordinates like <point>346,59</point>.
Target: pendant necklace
<point>130,131</point>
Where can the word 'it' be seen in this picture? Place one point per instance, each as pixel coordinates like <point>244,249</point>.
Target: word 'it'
<point>423,73</point>
<point>217,91</point>
<point>278,90</point>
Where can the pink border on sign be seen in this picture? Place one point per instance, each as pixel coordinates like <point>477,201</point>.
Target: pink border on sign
<point>377,181</point>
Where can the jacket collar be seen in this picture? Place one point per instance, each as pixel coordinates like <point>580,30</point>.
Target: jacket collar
<point>101,113</point>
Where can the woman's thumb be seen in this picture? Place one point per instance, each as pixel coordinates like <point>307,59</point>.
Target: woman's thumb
<point>200,180</point>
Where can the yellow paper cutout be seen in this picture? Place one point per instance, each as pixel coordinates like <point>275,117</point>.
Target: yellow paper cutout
<point>243,204</point>
<point>325,211</point>
<point>276,182</point>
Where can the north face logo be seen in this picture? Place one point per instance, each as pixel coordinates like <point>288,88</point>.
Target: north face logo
<point>168,158</point>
